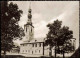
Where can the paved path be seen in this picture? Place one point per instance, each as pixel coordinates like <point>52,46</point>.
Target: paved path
<point>28,55</point>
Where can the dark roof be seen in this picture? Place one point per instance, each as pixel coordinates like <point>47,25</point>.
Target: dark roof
<point>31,43</point>
<point>29,24</point>
<point>76,54</point>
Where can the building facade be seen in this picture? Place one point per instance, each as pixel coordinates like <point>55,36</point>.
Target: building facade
<point>32,48</point>
<point>73,43</point>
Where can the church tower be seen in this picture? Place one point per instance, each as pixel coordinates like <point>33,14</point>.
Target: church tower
<point>28,27</point>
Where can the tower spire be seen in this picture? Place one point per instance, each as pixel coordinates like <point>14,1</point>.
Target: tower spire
<point>29,15</point>
<point>28,27</point>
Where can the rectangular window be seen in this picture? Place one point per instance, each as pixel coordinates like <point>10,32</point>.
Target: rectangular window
<point>39,44</point>
<point>39,51</point>
<point>36,45</point>
<point>33,45</point>
<point>32,52</point>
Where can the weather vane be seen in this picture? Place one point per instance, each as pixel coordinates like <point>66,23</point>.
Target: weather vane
<point>30,5</point>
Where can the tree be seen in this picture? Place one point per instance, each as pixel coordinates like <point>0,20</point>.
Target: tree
<point>52,34</point>
<point>57,35</point>
<point>64,36</point>
<point>10,29</point>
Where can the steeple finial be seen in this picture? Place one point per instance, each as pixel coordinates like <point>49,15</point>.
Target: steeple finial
<point>30,5</point>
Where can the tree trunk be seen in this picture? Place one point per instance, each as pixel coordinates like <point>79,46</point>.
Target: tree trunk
<point>55,51</point>
<point>43,48</point>
<point>4,54</point>
<point>63,55</point>
<point>50,52</point>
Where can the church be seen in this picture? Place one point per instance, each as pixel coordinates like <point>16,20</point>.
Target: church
<point>31,46</point>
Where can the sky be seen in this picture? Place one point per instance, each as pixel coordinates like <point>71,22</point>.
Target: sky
<point>45,12</point>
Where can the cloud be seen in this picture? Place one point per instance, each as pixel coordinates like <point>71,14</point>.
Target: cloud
<point>70,18</point>
<point>23,20</point>
<point>46,12</point>
<point>40,29</point>
<point>37,17</point>
<point>18,41</point>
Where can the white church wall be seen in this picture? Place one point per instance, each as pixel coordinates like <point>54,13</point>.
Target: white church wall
<point>30,49</point>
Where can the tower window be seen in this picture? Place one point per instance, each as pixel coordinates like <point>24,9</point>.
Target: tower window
<point>26,29</point>
<point>31,29</point>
